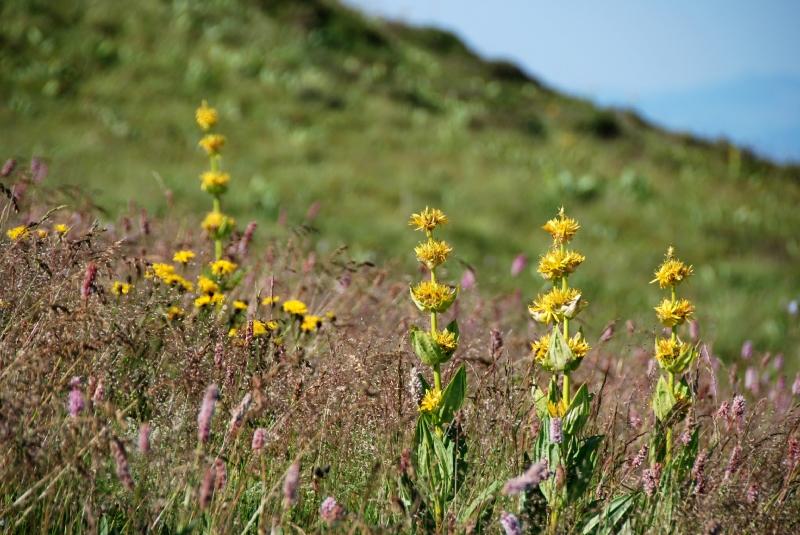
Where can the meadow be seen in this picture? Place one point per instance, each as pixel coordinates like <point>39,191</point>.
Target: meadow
<point>371,283</point>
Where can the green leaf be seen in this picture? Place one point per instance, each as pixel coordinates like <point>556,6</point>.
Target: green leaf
<point>582,465</point>
<point>453,395</point>
<point>663,399</point>
<point>611,515</point>
<point>577,412</point>
<point>478,503</point>
<point>559,353</point>
<point>426,348</point>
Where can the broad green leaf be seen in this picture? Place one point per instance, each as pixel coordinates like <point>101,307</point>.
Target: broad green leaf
<point>577,412</point>
<point>582,465</point>
<point>478,503</point>
<point>426,348</point>
<point>663,399</point>
<point>453,395</point>
<point>606,520</point>
<point>559,353</point>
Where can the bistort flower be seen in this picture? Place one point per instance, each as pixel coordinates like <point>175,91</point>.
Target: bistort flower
<point>428,219</point>
<point>672,312</point>
<point>433,296</point>
<point>561,228</point>
<point>672,271</point>
<point>433,253</point>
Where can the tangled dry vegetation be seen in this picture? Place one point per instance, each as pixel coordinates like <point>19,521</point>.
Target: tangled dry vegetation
<point>127,406</point>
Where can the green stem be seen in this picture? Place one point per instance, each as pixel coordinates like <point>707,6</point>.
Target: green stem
<point>437,377</point>
<point>217,242</point>
<point>669,429</point>
<point>565,390</point>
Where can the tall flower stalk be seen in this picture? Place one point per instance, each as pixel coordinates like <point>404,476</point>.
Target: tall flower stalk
<point>569,455</point>
<point>214,181</point>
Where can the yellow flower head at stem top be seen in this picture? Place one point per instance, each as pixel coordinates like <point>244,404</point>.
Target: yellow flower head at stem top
<point>561,228</point>
<point>557,304</point>
<point>174,312</point>
<point>270,300</point>
<point>260,328</point>
<point>672,271</point>
<point>206,116</point>
<point>310,323</point>
<point>17,233</point>
<point>223,268</point>
<point>61,228</point>
<point>433,296</point>
<point>205,301</point>
<point>555,264</point>
<point>295,307</point>
<point>428,219</point>
<point>577,345</point>
<point>673,354</point>
<point>672,312</point>
<point>214,182</point>
<point>183,256</point>
<point>212,143</point>
<point>206,285</point>
<point>121,288</point>
<point>433,253</point>
<point>430,402</point>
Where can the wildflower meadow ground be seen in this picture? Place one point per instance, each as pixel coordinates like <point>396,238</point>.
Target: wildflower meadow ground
<point>196,376</point>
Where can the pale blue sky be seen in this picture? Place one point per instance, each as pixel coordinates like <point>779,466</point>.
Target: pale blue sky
<point>667,58</point>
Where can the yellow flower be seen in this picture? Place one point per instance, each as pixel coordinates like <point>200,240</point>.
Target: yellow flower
<point>672,271</point>
<point>259,328</point>
<point>576,344</point>
<point>556,263</point>
<point>223,268</point>
<point>184,256</point>
<point>177,280</point>
<point>232,332</point>
<point>310,323</point>
<point>428,219</point>
<point>669,350</point>
<point>214,182</point>
<point>217,223</point>
<point>561,228</point>
<point>557,410</point>
<point>430,402</point>
<point>206,285</point>
<point>272,325</point>
<point>446,340</point>
<point>212,143</point>
<point>174,312</point>
<point>674,312</point>
<point>121,288</point>
<point>433,252</point>
<point>433,296</point>
<point>61,228</point>
<point>330,316</point>
<point>4,304</point>
<point>161,271</point>
<point>239,305</point>
<point>209,299</point>
<point>17,233</point>
<point>206,116</point>
<point>41,233</point>
<point>556,305</point>
<point>295,307</point>
<point>269,301</point>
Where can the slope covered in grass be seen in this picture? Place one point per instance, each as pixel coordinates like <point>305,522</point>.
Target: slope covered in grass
<point>374,120</point>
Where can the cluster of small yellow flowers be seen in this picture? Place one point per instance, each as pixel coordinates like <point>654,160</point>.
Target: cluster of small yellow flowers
<point>206,300</point>
<point>669,350</point>
<point>432,296</point>
<point>261,328</point>
<point>557,410</point>
<point>174,313</point>
<point>310,323</point>
<point>556,305</point>
<point>672,271</point>
<point>446,340</point>
<point>166,274</point>
<point>295,307</point>
<point>558,263</point>
<point>223,268</point>
<point>428,219</point>
<point>121,288</point>
<point>433,253</point>
<point>561,228</point>
<point>576,344</point>
<point>184,256</point>
<point>206,285</point>
<point>214,182</point>
<point>431,400</point>
<point>17,233</point>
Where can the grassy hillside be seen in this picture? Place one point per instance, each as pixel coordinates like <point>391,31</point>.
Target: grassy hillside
<point>374,120</point>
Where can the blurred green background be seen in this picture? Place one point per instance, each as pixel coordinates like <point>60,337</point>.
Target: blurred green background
<point>374,120</point>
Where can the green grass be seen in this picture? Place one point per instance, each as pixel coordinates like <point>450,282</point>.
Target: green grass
<point>375,120</point>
